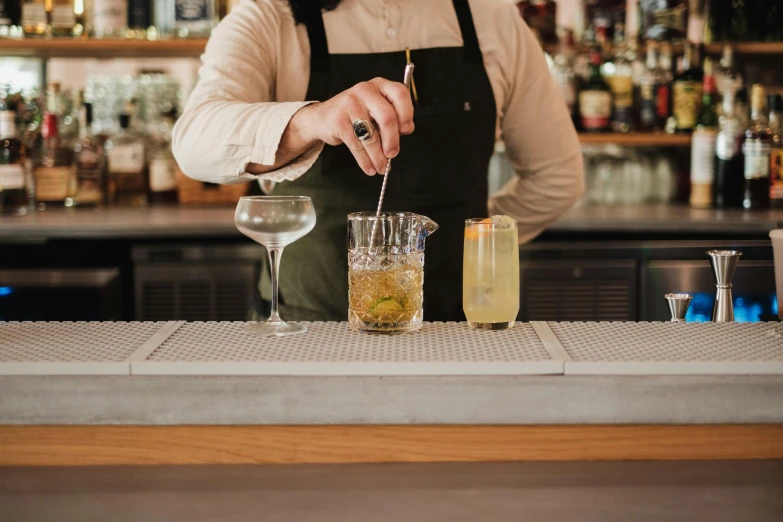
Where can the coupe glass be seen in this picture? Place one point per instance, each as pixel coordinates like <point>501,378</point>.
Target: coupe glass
<point>275,221</point>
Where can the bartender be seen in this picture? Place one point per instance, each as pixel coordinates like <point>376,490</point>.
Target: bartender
<point>306,96</point>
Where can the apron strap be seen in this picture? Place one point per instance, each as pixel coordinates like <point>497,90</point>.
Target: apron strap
<point>469,39</point>
<point>319,49</point>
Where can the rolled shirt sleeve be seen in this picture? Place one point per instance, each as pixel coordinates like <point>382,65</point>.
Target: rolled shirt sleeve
<point>232,119</point>
<point>540,138</point>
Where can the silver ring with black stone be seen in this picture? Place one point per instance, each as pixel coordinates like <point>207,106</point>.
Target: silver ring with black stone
<point>362,129</point>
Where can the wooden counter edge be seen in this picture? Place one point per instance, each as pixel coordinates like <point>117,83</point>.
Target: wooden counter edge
<point>151,445</point>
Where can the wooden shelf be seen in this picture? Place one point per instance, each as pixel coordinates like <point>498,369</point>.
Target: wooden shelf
<point>105,48</point>
<point>750,48</point>
<point>636,139</point>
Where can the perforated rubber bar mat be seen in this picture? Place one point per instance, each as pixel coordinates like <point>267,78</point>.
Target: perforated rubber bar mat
<point>72,347</point>
<point>671,348</point>
<point>332,348</point>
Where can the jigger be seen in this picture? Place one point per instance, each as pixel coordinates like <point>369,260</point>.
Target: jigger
<point>678,306</point>
<point>723,263</point>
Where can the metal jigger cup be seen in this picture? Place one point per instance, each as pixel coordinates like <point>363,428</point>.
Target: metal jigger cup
<point>678,306</point>
<point>723,263</point>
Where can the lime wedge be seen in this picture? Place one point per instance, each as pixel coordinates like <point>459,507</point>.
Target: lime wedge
<point>386,308</point>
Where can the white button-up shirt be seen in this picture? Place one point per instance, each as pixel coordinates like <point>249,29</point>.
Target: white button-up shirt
<point>255,74</point>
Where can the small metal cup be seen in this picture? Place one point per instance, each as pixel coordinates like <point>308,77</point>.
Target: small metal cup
<point>678,306</point>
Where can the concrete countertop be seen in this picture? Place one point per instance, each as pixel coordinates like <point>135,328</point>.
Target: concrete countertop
<point>183,221</point>
<point>537,373</point>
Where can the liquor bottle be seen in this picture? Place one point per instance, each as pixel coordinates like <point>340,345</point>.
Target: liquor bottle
<point>687,91</point>
<point>665,95</point>
<point>127,173</point>
<point>10,18</point>
<point>756,150</point>
<point>13,186</point>
<point>34,18</point>
<point>109,18</point>
<point>54,169</point>
<point>540,16</point>
<point>621,83</point>
<point>563,70</point>
<point>663,19</point>
<point>638,69</point>
<point>652,78</point>
<point>703,145</point>
<point>62,18</point>
<point>139,18</point>
<point>90,163</point>
<point>595,100</point>
<point>742,109</point>
<point>163,181</point>
<point>729,164</point>
<point>187,18</point>
<point>776,154</point>
<point>727,71</point>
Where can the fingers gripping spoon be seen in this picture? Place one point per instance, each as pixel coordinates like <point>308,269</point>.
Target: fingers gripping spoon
<point>407,82</point>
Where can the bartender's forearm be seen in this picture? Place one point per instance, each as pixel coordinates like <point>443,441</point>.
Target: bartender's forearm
<point>297,139</point>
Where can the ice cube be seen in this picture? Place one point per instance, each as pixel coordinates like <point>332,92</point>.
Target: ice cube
<point>503,221</point>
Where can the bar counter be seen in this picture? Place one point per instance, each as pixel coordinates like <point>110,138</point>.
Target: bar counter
<point>183,222</point>
<point>209,393</point>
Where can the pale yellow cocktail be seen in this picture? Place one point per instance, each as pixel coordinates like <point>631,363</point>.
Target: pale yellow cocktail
<point>490,273</point>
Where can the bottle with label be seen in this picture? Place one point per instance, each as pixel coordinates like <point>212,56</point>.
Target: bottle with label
<point>62,18</point>
<point>726,72</point>
<point>703,145</point>
<point>756,150</point>
<point>54,169</point>
<point>34,18</point>
<point>127,172</point>
<point>652,78</point>
<point>109,18</point>
<point>595,100</point>
<point>139,18</point>
<point>621,83</point>
<point>729,164</point>
<point>665,95</point>
<point>188,18</point>
<point>10,18</point>
<point>776,154</point>
<point>13,179</point>
<point>687,91</point>
<point>163,181</point>
<point>90,164</point>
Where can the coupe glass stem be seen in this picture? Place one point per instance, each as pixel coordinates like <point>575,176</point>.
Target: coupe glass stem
<point>274,263</point>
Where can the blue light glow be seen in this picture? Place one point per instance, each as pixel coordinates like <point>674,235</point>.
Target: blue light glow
<point>6,290</point>
<point>749,308</point>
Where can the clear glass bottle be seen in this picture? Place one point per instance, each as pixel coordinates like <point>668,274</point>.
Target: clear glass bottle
<point>703,145</point>
<point>90,164</point>
<point>54,169</point>
<point>650,115</point>
<point>109,18</point>
<point>13,178</point>
<point>35,20</point>
<point>563,70</point>
<point>127,166</point>
<point>163,181</point>
<point>62,18</point>
<point>756,150</point>
<point>726,73</point>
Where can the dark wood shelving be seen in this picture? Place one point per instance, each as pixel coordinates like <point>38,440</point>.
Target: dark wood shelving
<point>100,48</point>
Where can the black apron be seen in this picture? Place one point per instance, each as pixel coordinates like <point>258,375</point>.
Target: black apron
<point>441,172</point>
